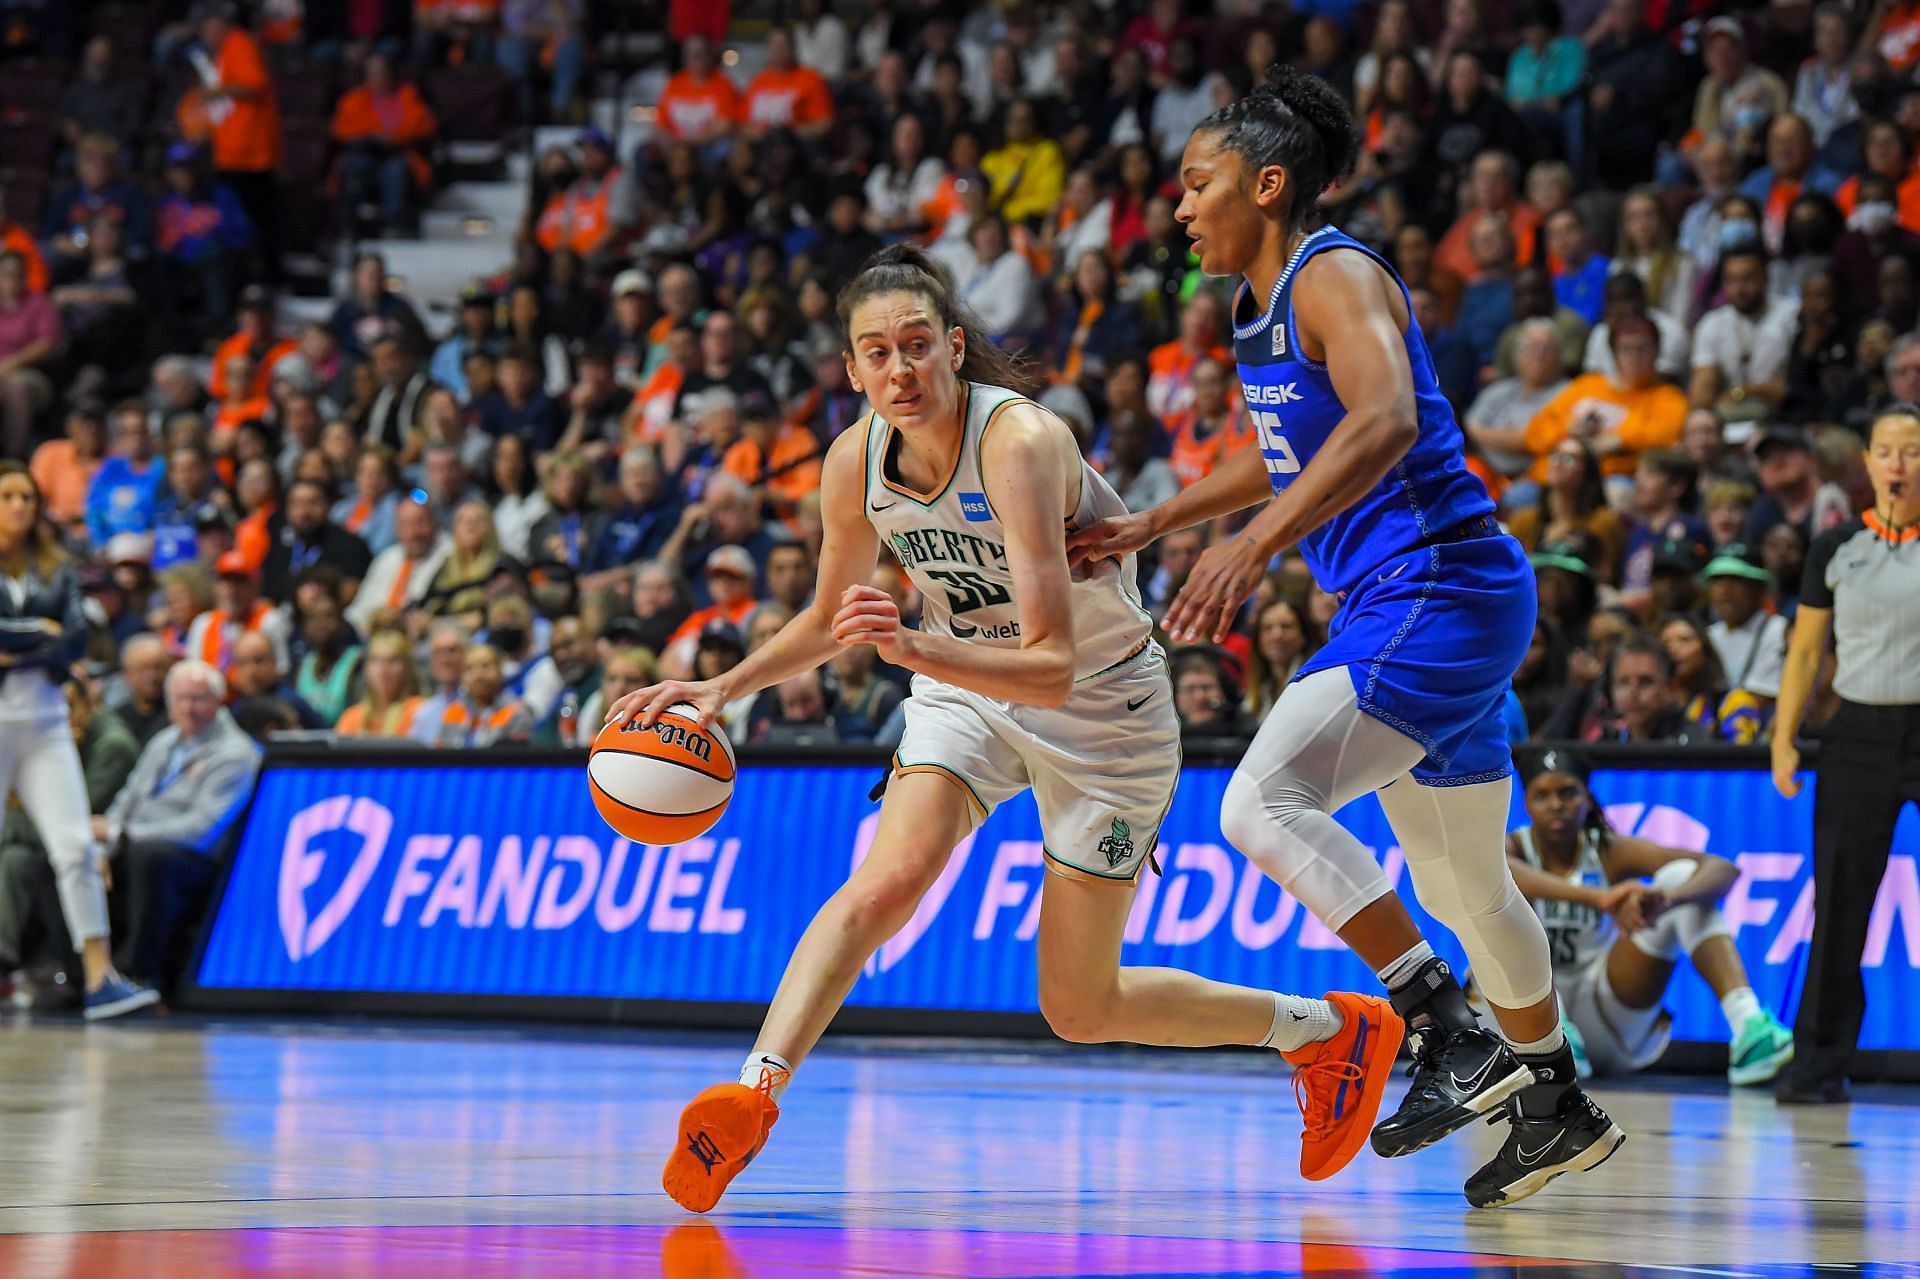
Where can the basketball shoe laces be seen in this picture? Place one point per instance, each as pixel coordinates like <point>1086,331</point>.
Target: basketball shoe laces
<point>771,1077</point>
<point>1315,1086</point>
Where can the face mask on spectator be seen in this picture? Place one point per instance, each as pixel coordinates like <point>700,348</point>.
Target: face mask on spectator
<point>1739,233</point>
<point>1871,218</point>
<point>1751,118</point>
<point>507,639</point>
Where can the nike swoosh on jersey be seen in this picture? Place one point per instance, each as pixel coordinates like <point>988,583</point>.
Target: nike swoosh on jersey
<point>886,507</point>
<point>1397,571</point>
<point>1134,706</point>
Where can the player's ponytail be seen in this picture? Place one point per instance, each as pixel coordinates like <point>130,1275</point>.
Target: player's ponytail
<point>1297,121</point>
<point>907,268</point>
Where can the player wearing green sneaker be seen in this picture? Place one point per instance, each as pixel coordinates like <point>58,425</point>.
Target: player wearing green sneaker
<point>1620,913</point>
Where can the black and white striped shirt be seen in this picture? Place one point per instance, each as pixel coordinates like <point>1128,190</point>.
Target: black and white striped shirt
<point>1869,575</point>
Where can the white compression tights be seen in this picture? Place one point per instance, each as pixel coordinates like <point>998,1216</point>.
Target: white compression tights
<point>1316,752</point>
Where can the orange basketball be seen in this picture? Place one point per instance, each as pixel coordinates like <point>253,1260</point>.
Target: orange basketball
<point>664,784</point>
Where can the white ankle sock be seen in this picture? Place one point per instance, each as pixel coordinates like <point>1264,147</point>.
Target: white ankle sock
<point>1298,1022</point>
<point>757,1062</point>
<point>1401,970</point>
<point>1545,1047</point>
<point>1738,1005</point>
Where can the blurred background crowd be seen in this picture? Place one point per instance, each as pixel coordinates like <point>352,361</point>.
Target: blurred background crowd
<point>1666,254</point>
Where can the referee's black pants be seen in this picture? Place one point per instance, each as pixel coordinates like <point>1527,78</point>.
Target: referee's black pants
<point>1868,768</point>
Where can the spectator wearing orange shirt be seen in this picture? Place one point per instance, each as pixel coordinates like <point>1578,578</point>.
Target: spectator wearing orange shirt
<point>1170,365</point>
<point>1493,187</point>
<point>778,458</point>
<point>585,216</point>
<point>242,118</point>
<point>254,339</point>
<point>787,95</point>
<point>384,128</point>
<point>699,104</point>
<point>64,469</point>
<point>1216,426</point>
<point>15,238</point>
<point>1618,417</point>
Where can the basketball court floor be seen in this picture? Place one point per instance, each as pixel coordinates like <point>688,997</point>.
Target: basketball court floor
<point>187,1150</point>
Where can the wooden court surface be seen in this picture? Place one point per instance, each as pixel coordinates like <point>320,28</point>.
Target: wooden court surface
<point>174,1149</point>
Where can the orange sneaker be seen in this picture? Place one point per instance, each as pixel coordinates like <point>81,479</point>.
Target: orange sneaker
<point>1339,1082</point>
<point>721,1131</point>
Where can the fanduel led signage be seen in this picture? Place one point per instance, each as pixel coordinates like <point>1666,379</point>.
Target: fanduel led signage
<point>503,881</point>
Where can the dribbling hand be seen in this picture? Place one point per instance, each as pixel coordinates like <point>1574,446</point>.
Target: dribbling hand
<point>648,704</point>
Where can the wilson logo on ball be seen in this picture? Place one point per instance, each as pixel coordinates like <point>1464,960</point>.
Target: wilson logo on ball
<point>664,783</point>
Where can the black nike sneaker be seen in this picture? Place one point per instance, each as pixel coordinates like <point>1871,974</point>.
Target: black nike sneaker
<point>1577,1137</point>
<point>1458,1076</point>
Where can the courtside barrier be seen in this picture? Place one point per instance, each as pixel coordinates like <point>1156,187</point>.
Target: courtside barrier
<point>369,880</point>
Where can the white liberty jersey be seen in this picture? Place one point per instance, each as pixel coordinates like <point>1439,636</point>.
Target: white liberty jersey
<point>951,545</point>
<point>1578,934</point>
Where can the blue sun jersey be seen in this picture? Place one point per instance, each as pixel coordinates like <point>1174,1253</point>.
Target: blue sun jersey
<point>1295,408</point>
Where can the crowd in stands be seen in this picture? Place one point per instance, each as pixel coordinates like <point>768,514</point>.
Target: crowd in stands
<point>1665,253</point>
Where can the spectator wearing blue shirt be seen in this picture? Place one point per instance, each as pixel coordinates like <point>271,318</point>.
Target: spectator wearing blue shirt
<point>1580,283</point>
<point>1789,170</point>
<point>369,312</point>
<point>1486,306</point>
<point>202,234</point>
<point>125,492</point>
<point>637,528</point>
<point>475,332</point>
<point>97,189</point>
<point>182,507</point>
<point>519,407</point>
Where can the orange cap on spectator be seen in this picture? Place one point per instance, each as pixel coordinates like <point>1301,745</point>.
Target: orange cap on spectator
<point>234,564</point>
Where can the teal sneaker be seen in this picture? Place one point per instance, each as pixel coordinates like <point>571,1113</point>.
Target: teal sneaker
<point>1582,1068</point>
<point>1759,1051</point>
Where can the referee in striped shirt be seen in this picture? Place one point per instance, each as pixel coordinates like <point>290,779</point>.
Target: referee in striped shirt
<point>1863,585</point>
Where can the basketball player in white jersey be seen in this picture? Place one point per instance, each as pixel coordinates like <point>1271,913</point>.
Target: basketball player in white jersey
<point>1620,914</point>
<point>1024,677</point>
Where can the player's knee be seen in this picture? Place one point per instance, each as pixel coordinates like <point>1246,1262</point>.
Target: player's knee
<point>1255,817</point>
<point>878,905</point>
<point>1077,1010</point>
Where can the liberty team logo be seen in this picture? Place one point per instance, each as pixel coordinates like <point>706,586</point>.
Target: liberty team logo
<point>1117,846</point>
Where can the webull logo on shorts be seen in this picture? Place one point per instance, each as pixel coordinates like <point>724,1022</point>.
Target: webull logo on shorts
<point>543,882</point>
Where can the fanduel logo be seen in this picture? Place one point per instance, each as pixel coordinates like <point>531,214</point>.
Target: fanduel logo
<point>461,880</point>
<point>301,864</point>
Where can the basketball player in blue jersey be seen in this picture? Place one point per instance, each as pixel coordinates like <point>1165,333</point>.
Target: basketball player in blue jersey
<point>1369,480</point>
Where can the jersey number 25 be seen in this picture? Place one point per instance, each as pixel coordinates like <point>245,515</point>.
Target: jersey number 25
<point>1273,445</point>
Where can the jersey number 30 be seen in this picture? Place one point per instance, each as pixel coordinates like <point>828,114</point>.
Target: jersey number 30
<point>1273,445</point>
<point>967,590</point>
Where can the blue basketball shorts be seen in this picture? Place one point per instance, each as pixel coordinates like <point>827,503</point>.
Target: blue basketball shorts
<point>1431,640</point>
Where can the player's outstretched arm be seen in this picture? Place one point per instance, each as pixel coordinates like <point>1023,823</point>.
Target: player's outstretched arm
<point>849,550</point>
<point>1237,483</point>
<point>1342,305</point>
<point>1024,464</point>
